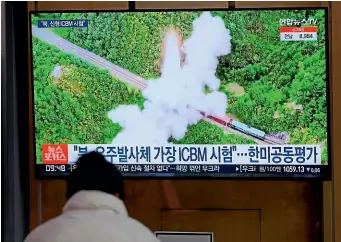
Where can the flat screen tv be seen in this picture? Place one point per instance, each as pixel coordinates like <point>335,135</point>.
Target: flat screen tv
<point>183,94</point>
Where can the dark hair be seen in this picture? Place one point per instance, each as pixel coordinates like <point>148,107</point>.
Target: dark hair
<point>93,172</point>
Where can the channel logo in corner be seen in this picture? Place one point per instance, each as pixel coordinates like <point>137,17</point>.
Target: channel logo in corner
<point>55,154</point>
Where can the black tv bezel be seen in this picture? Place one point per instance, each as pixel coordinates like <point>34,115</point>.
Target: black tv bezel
<point>326,176</point>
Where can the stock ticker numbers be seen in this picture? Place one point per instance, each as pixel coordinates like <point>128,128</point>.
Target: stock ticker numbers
<point>199,170</point>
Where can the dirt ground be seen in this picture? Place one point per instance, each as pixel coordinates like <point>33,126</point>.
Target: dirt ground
<point>235,89</point>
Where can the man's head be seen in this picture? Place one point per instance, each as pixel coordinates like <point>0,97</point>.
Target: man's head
<point>93,172</point>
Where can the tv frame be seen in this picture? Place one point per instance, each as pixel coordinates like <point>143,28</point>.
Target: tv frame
<point>326,176</point>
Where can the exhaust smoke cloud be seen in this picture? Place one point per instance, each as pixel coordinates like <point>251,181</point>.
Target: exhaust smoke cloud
<point>173,101</point>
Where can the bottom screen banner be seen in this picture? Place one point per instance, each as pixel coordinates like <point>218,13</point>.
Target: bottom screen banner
<point>199,171</point>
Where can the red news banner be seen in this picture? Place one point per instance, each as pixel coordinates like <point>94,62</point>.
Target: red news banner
<point>298,33</point>
<point>55,154</point>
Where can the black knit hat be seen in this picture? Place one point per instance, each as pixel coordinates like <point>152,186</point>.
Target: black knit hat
<point>93,172</point>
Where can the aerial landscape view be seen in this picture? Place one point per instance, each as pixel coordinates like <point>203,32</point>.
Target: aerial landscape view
<point>219,77</point>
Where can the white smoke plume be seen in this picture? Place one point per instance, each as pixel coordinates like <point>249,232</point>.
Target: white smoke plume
<point>173,100</point>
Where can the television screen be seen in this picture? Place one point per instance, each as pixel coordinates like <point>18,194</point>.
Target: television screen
<point>183,94</point>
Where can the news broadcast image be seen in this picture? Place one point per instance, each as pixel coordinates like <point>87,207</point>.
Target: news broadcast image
<point>182,93</point>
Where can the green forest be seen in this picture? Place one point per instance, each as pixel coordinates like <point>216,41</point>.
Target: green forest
<point>273,77</point>
<point>73,109</point>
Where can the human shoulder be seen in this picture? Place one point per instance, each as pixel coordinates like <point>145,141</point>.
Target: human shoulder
<point>43,231</point>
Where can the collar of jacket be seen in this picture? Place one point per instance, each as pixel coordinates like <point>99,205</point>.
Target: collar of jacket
<point>95,200</point>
